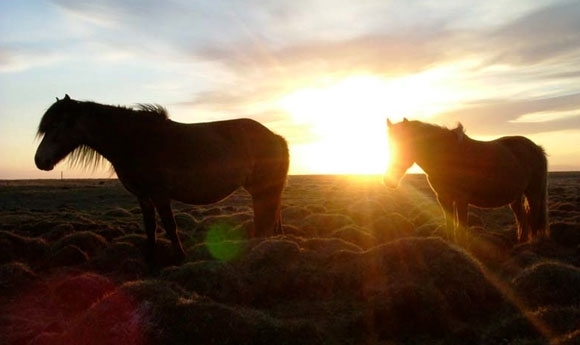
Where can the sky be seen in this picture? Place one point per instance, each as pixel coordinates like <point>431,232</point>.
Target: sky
<point>325,74</point>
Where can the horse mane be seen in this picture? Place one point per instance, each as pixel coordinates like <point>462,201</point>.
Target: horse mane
<point>54,114</point>
<point>441,131</point>
<point>154,110</point>
<point>85,156</point>
<point>141,111</point>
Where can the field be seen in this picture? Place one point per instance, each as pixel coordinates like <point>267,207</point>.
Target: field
<point>358,264</point>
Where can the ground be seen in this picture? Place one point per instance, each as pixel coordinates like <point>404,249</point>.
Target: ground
<point>358,264</point>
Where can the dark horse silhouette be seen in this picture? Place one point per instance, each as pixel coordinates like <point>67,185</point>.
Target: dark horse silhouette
<point>159,160</point>
<point>461,171</point>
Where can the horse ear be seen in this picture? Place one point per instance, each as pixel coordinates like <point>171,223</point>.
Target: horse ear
<point>66,97</point>
<point>57,99</point>
<point>389,123</point>
<point>405,119</point>
<point>459,132</point>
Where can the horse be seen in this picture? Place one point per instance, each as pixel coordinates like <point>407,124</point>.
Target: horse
<point>461,171</point>
<point>159,160</point>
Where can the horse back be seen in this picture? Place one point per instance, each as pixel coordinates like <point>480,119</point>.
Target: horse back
<point>506,153</point>
<point>241,139</point>
<point>524,149</point>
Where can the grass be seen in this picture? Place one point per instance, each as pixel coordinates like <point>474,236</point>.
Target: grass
<point>359,264</point>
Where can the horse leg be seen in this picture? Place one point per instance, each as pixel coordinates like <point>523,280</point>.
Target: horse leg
<point>148,211</point>
<point>462,209</point>
<point>519,210</point>
<point>538,212</point>
<point>267,220</point>
<point>449,213</point>
<point>164,210</point>
<point>533,215</point>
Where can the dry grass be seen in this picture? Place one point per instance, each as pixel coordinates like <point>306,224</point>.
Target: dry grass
<point>359,264</point>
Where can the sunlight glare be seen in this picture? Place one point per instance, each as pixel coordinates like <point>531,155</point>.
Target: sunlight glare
<point>348,118</point>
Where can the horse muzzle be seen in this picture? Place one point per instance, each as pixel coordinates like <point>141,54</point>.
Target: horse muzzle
<point>43,164</point>
<point>390,181</point>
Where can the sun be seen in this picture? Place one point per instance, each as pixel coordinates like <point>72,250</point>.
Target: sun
<point>345,119</point>
<point>348,118</point>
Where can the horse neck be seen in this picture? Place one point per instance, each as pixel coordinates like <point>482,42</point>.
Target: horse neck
<point>434,153</point>
<point>110,134</point>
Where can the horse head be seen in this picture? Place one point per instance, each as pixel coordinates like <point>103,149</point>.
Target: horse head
<point>401,152</point>
<point>59,132</point>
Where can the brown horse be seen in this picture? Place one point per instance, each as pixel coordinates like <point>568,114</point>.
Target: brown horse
<point>159,160</point>
<point>462,171</point>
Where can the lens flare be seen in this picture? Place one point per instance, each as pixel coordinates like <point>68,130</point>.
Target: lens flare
<point>224,241</point>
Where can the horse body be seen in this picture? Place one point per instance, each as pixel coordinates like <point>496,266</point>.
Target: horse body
<point>469,179</point>
<point>159,160</point>
<point>229,161</point>
<point>462,171</point>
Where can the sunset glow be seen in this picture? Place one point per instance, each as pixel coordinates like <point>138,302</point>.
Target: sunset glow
<point>345,119</point>
<point>324,75</point>
<point>348,117</point>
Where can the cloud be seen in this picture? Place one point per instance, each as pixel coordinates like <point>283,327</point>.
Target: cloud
<point>265,49</point>
<point>298,38</point>
<point>498,117</point>
<point>536,88</point>
<point>546,116</point>
<point>183,26</point>
<point>529,67</point>
<point>379,54</point>
<point>549,33</point>
<point>243,34</point>
<point>19,58</point>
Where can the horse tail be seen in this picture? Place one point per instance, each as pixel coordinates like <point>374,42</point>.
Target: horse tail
<point>266,183</point>
<point>539,207</point>
<point>284,160</point>
<point>280,170</point>
<point>543,222</point>
<point>276,161</point>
